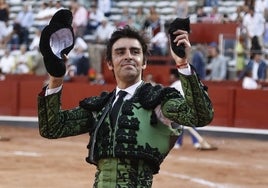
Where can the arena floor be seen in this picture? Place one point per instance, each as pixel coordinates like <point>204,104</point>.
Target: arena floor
<point>28,160</point>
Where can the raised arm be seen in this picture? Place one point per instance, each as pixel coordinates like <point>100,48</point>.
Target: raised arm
<point>195,109</point>
<point>56,41</point>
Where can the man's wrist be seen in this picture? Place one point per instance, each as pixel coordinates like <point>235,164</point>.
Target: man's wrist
<point>55,82</point>
<point>182,66</point>
<point>52,91</point>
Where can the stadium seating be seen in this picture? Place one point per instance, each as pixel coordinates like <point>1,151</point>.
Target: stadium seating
<point>163,7</point>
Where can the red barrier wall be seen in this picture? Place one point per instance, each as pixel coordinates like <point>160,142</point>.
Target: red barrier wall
<point>74,92</point>
<point>251,108</point>
<point>9,98</point>
<point>233,106</point>
<point>209,32</point>
<point>160,72</point>
<point>223,103</point>
<point>27,97</point>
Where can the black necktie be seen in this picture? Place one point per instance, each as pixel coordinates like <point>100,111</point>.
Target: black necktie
<point>116,107</point>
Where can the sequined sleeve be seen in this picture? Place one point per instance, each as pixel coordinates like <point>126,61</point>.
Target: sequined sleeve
<point>57,123</point>
<point>193,110</point>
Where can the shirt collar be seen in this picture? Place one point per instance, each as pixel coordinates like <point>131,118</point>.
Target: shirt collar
<point>131,89</point>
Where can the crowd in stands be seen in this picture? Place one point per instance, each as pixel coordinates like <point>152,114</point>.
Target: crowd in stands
<point>93,23</point>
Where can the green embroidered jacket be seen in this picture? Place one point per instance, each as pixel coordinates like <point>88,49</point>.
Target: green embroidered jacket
<point>139,133</point>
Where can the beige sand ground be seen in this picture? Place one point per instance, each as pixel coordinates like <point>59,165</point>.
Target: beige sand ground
<point>29,161</point>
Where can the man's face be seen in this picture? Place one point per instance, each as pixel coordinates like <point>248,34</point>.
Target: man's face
<point>127,61</point>
<point>212,51</point>
<point>258,57</point>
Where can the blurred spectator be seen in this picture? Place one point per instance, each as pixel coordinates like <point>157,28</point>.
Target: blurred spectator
<point>242,31</point>
<point>7,62</point>
<point>78,63</point>
<point>260,6</point>
<point>200,14</point>
<point>152,22</point>
<point>212,3</point>
<point>81,62</point>
<point>181,8</point>
<point>83,47</point>
<point>217,68</point>
<point>249,3</point>
<point>34,45</point>
<point>70,72</point>
<point>149,78</point>
<point>249,83</point>
<point>4,11</point>
<point>25,20</point>
<point>94,19</point>
<point>139,18</point>
<point>265,35</point>
<point>96,54</point>
<point>124,17</point>
<point>15,38</point>
<point>225,18</point>
<point>241,55</point>
<point>98,80</point>
<point>38,68</point>
<point>214,16</point>
<point>55,6</point>
<point>24,61</point>
<point>4,25</point>
<point>104,31</point>
<point>131,22</point>
<point>266,12</point>
<point>237,15</point>
<point>80,18</point>
<point>105,6</point>
<point>80,42</point>
<point>198,61</point>
<point>200,3</point>
<point>256,67</point>
<point>2,77</point>
<point>159,43</point>
<point>5,34</point>
<point>255,44</point>
<point>245,10</point>
<point>97,49</point>
<point>43,16</point>
<point>266,61</point>
<point>254,24</point>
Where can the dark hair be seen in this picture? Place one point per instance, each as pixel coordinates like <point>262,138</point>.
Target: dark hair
<point>127,32</point>
<point>256,48</point>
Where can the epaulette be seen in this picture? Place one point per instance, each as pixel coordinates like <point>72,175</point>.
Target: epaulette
<point>150,96</point>
<point>96,103</point>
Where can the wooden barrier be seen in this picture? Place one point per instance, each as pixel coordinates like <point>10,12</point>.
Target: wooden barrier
<point>223,84</point>
<point>234,107</point>
<point>160,73</point>
<point>160,60</point>
<point>9,98</point>
<point>27,97</point>
<point>74,92</point>
<point>209,32</point>
<point>223,102</point>
<point>250,108</point>
<point>24,77</point>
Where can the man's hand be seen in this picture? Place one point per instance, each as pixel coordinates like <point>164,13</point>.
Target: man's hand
<point>55,82</point>
<point>181,38</point>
